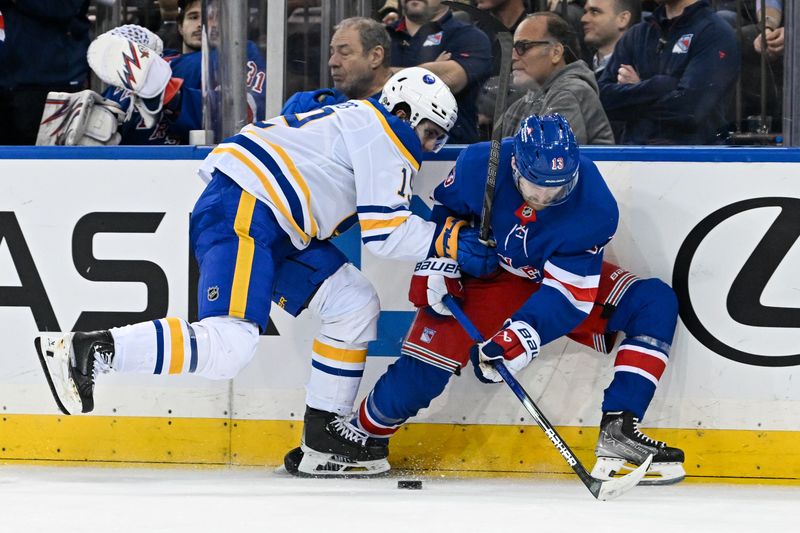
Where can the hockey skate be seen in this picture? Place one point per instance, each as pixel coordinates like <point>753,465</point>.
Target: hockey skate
<point>621,444</point>
<point>333,447</point>
<point>69,362</point>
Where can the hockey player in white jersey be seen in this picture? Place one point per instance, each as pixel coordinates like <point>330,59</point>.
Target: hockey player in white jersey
<point>276,192</point>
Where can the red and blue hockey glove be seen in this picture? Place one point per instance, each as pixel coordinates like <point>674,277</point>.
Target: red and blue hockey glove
<point>434,279</point>
<point>516,345</point>
<point>456,240</point>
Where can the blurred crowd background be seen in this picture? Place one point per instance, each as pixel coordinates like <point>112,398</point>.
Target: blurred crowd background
<point>678,72</point>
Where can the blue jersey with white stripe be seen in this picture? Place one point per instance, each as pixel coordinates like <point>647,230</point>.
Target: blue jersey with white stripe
<point>560,247</point>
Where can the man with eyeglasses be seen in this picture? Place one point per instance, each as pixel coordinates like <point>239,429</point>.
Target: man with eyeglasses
<point>544,61</point>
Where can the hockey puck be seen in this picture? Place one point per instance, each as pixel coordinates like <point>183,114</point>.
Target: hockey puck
<point>413,484</point>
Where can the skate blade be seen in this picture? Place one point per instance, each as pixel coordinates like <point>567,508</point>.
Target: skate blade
<point>53,352</point>
<point>657,473</point>
<point>322,465</point>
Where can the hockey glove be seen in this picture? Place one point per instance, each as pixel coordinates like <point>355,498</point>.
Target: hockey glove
<point>302,102</point>
<point>130,65</point>
<point>516,345</point>
<point>474,257</point>
<point>434,279</point>
<point>79,119</point>
<point>456,240</point>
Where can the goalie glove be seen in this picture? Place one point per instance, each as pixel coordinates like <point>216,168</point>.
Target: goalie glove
<point>141,35</point>
<point>126,64</point>
<point>516,345</point>
<point>79,119</point>
<point>434,279</point>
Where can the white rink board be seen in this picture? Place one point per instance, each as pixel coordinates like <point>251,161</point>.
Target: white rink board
<point>660,203</point>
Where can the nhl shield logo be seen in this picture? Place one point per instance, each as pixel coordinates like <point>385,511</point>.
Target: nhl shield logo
<point>213,293</point>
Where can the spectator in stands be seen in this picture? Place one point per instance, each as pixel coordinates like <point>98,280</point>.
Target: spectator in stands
<point>359,63</point>
<point>389,13</point>
<point>460,54</point>
<point>168,32</point>
<point>544,60</point>
<point>671,77</point>
<point>772,18</point>
<point>510,12</point>
<point>571,11</point>
<point>44,50</point>
<point>604,23</point>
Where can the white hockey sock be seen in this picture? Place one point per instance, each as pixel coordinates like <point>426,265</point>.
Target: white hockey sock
<point>336,370</point>
<point>165,346</point>
<point>216,347</point>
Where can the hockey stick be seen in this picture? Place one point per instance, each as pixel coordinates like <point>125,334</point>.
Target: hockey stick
<point>504,38</point>
<point>600,488</point>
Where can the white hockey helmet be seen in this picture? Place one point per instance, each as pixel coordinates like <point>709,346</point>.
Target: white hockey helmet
<point>426,95</point>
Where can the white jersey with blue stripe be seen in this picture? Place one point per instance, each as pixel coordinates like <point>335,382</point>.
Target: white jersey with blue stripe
<point>321,171</point>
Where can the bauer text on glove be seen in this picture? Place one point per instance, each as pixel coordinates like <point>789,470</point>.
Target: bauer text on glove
<point>516,345</point>
<point>434,279</point>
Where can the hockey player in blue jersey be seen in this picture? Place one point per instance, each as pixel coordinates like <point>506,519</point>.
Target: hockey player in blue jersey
<point>276,193</point>
<point>552,216</point>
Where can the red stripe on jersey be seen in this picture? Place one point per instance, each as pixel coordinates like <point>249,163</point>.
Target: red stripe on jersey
<point>580,294</point>
<point>369,426</point>
<point>650,364</point>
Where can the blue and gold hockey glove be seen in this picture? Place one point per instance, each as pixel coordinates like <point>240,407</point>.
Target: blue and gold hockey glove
<point>456,240</point>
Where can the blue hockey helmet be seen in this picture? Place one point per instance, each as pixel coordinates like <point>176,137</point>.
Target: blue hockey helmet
<point>546,160</point>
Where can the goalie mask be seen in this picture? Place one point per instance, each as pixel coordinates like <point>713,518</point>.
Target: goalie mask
<point>425,95</point>
<point>546,160</point>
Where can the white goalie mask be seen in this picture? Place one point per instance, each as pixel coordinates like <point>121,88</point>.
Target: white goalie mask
<point>426,95</point>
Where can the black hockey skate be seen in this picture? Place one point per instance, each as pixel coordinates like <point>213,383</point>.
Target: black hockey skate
<point>69,362</point>
<point>621,442</point>
<point>333,447</point>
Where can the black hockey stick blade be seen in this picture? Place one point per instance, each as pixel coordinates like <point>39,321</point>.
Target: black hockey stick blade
<point>602,489</point>
<point>504,39</point>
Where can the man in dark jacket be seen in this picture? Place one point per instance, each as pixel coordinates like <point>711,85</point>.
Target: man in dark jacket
<point>671,77</point>
<point>429,36</point>
<point>44,50</point>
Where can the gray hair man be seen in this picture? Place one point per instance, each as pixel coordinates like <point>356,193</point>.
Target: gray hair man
<point>544,61</point>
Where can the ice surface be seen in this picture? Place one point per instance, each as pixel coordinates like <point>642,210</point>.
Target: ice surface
<point>88,500</point>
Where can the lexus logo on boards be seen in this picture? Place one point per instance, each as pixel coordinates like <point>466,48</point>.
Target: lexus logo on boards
<point>737,277</point>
